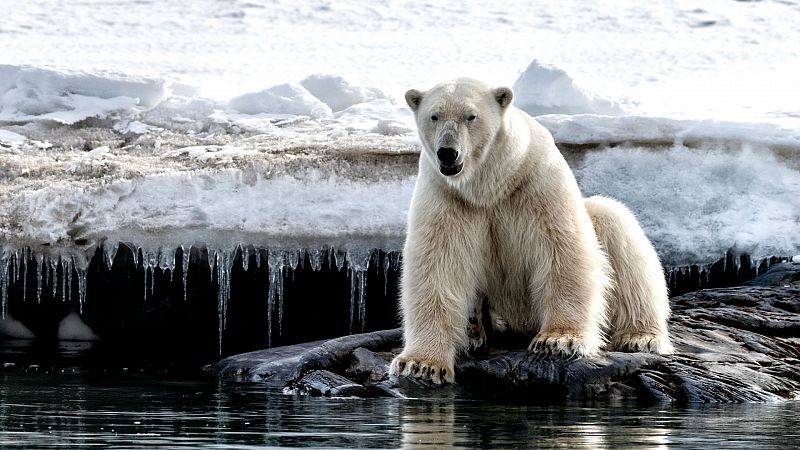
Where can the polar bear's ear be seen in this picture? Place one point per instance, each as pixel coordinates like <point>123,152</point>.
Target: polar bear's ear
<point>503,95</point>
<point>413,98</point>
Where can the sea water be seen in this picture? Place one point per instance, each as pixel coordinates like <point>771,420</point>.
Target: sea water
<point>60,397</point>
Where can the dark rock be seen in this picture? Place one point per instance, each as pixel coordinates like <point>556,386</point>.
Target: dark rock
<point>780,274</point>
<point>326,383</point>
<point>733,345</point>
<point>283,364</point>
<point>368,366</point>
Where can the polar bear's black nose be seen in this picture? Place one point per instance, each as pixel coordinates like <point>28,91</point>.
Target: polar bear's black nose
<point>447,156</point>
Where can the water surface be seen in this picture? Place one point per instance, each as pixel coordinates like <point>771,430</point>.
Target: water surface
<point>70,407</point>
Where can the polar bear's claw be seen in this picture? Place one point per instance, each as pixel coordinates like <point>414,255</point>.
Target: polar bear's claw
<point>557,343</point>
<point>642,342</point>
<point>437,372</point>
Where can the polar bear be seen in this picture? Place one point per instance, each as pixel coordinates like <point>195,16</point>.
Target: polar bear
<point>497,213</point>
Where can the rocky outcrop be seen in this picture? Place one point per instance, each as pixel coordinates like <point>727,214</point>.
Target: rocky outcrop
<point>737,344</point>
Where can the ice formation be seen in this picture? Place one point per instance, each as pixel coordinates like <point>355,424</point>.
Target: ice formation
<point>64,270</point>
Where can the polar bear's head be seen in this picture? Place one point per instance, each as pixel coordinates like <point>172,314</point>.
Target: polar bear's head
<point>458,121</point>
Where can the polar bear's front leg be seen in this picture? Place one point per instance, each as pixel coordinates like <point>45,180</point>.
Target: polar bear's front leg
<point>442,276</point>
<point>436,317</point>
<point>572,306</point>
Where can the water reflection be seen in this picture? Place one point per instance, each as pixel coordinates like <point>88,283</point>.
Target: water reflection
<point>123,409</point>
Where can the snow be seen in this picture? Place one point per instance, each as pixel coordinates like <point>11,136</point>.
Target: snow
<point>546,89</point>
<point>677,58</point>
<point>337,92</point>
<point>596,129</point>
<point>286,98</point>
<point>693,202</point>
<point>382,116</point>
<point>11,139</point>
<point>68,96</point>
<point>167,124</point>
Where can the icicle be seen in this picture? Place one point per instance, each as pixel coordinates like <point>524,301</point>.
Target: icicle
<point>316,260</point>
<point>245,258</point>
<point>110,252</point>
<point>277,259</point>
<point>25,256</point>
<point>385,274</point>
<point>4,260</point>
<point>166,260</point>
<point>223,287</point>
<point>340,257</point>
<point>270,304</point>
<point>54,276</point>
<point>258,258</point>
<point>135,256</point>
<point>185,263</point>
<point>81,264</point>
<point>352,276</point>
<point>66,270</point>
<point>280,301</point>
<point>220,301</point>
<point>40,273</point>
<point>358,264</point>
<point>279,287</point>
<point>15,265</point>
<point>362,292</point>
<point>212,261</point>
<point>69,280</point>
<point>293,259</point>
<point>150,260</point>
<point>145,271</point>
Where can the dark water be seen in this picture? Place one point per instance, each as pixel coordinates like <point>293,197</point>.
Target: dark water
<point>79,408</point>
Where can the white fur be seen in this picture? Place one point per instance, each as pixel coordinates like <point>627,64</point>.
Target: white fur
<point>513,226</point>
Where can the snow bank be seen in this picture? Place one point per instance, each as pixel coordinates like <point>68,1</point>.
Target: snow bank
<point>545,89</point>
<point>337,93</point>
<point>378,116</point>
<point>188,114</point>
<point>694,203</point>
<point>68,96</point>
<point>250,202</point>
<point>594,129</point>
<point>282,99</point>
<point>11,139</point>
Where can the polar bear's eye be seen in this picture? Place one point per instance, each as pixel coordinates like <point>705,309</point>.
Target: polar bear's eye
<point>434,117</point>
<point>471,117</point>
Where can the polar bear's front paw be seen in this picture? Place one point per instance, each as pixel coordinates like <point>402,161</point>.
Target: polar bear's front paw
<point>432,370</point>
<point>560,343</point>
<point>642,342</point>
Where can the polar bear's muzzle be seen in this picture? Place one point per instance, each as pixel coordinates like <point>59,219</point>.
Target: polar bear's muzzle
<point>450,162</point>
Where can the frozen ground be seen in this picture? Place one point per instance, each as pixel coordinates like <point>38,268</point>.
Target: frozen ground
<point>173,123</point>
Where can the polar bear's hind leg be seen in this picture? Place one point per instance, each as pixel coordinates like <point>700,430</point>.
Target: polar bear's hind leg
<point>638,301</point>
